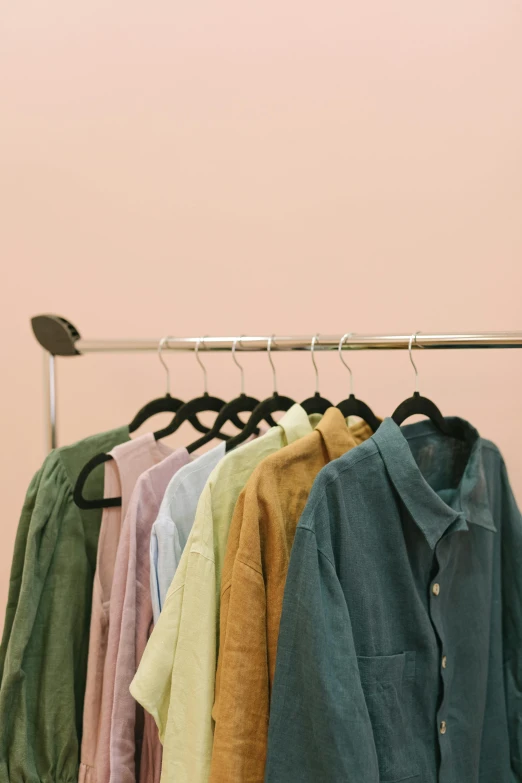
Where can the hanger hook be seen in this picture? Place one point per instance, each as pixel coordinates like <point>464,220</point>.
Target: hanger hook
<point>205,381</point>
<point>413,339</point>
<point>312,350</point>
<point>241,369</point>
<point>269,351</point>
<point>164,363</point>
<point>341,343</point>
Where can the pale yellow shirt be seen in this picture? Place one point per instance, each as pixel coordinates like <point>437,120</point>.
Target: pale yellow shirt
<point>175,680</point>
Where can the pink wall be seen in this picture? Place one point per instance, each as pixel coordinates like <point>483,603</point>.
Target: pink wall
<point>239,167</point>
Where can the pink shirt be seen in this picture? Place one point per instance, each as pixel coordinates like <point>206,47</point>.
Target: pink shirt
<point>134,737</point>
<point>129,461</point>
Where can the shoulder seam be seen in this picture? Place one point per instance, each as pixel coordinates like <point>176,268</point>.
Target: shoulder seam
<point>249,565</point>
<point>321,552</point>
<point>194,551</point>
<point>326,557</point>
<point>176,590</point>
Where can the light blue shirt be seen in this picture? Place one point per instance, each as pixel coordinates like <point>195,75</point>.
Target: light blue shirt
<point>174,522</point>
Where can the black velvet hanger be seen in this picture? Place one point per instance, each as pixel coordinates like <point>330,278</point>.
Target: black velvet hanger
<point>166,404</point>
<point>274,404</point>
<point>84,474</point>
<point>417,405</point>
<point>241,404</point>
<point>205,403</point>
<point>317,403</point>
<point>353,406</point>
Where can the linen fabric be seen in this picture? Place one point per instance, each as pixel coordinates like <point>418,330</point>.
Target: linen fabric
<point>252,586</point>
<point>129,460</point>
<point>43,656</point>
<point>400,647</point>
<point>176,678</point>
<point>171,529</point>
<point>135,611</point>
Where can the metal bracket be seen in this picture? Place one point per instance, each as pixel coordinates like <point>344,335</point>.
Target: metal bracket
<point>57,336</point>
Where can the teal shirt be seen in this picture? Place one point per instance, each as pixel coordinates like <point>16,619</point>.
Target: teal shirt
<point>43,655</point>
<point>400,646</point>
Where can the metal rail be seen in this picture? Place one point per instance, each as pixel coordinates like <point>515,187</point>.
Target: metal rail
<point>304,342</point>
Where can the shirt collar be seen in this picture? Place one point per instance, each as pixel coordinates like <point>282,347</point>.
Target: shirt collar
<point>432,515</point>
<point>337,437</point>
<point>295,424</point>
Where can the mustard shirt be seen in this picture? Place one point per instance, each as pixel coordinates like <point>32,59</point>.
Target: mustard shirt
<point>252,588</point>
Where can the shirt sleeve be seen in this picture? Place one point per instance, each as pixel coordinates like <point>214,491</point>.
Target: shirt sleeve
<point>123,719</point>
<point>187,733</point>
<point>319,724</point>
<point>187,745</point>
<point>151,686</point>
<point>241,705</point>
<point>119,584</point>
<point>154,586</point>
<point>47,648</point>
<point>17,565</point>
<point>167,559</point>
<point>512,621</point>
<point>159,680</point>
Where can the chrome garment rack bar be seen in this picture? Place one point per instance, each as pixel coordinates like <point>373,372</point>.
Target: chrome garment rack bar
<point>303,342</point>
<point>60,338</point>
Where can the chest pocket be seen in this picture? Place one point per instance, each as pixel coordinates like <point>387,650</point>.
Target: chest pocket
<point>387,682</point>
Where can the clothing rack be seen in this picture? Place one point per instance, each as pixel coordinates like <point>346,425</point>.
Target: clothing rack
<point>59,337</point>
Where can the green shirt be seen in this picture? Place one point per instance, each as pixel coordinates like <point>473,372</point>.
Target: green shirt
<point>43,655</point>
<point>400,645</point>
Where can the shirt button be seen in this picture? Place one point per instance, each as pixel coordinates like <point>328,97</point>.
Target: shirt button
<point>444,661</point>
<point>443,727</point>
<point>435,589</point>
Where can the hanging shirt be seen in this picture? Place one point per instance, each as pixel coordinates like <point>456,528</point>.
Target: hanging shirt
<point>43,655</point>
<point>129,460</point>
<point>176,678</point>
<point>171,529</point>
<point>400,647</point>
<point>134,607</point>
<point>252,587</point>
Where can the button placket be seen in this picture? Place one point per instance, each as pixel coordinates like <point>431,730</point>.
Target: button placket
<point>437,602</point>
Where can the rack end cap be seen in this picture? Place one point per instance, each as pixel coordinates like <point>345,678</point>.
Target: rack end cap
<point>56,334</point>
